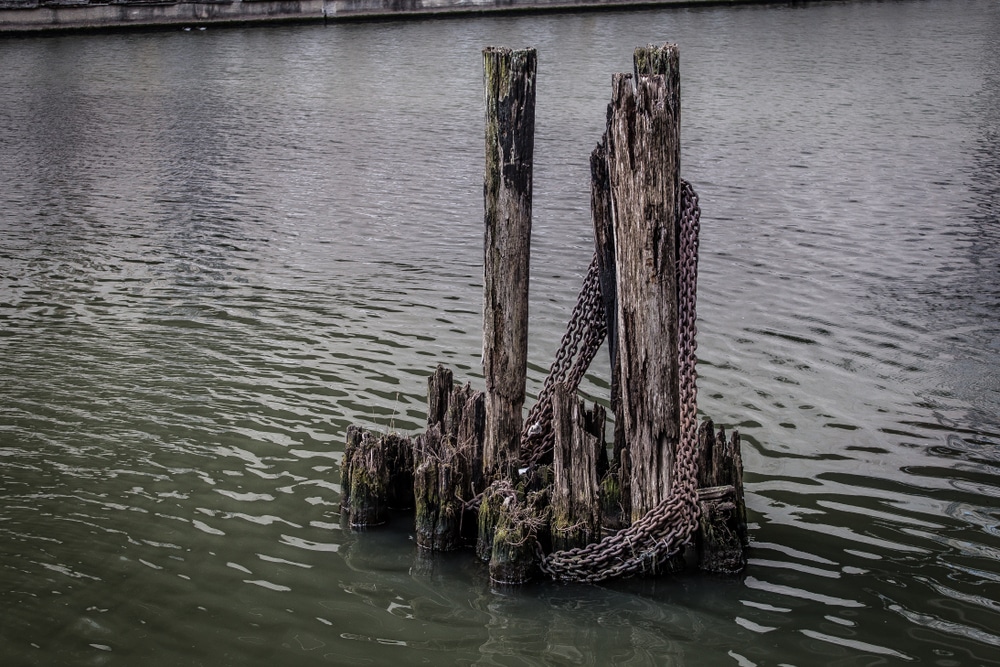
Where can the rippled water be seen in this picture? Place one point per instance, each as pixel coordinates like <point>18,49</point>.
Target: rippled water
<point>219,248</point>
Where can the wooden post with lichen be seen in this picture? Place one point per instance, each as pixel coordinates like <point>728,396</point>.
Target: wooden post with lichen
<point>642,144</point>
<point>576,515</point>
<point>722,540</point>
<point>521,519</point>
<point>509,82</point>
<point>447,462</point>
<point>488,517</point>
<point>364,481</point>
<point>376,476</point>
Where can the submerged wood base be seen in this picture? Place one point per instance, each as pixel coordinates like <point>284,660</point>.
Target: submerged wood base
<point>543,508</point>
<point>377,475</point>
<point>723,539</point>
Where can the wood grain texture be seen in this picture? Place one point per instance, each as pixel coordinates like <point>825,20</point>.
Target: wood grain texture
<point>643,153</point>
<point>509,83</point>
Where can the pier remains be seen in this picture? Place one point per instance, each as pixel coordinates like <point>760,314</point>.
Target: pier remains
<point>546,494</point>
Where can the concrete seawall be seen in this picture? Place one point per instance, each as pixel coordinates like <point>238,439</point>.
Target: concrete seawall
<point>27,16</point>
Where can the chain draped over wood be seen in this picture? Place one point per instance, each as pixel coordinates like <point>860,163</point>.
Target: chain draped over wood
<point>583,338</point>
<point>666,528</point>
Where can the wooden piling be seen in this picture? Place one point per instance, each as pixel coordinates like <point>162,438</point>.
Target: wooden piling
<point>604,246</point>
<point>615,485</point>
<point>492,500</point>
<point>376,476</point>
<point>447,462</point>
<point>643,156</point>
<point>509,82</point>
<point>534,485</point>
<point>722,540</point>
<point>576,515</point>
<point>520,519</point>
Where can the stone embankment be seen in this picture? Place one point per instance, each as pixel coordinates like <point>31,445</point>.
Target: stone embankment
<point>22,16</point>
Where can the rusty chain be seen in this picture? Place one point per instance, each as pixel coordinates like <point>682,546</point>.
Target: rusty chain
<point>665,529</point>
<point>585,332</point>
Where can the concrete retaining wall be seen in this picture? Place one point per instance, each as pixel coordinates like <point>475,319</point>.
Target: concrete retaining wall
<point>67,16</point>
<point>25,16</point>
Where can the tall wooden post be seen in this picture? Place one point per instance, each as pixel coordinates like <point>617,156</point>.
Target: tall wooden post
<point>509,81</point>
<point>643,153</point>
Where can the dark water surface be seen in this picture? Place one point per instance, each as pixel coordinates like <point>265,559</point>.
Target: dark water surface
<point>219,248</point>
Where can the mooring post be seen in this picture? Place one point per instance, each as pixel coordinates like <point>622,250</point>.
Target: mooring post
<point>722,540</point>
<point>520,518</point>
<point>509,81</point>
<point>576,511</point>
<point>447,460</point>
<point>643,153</point>
<point>376,476</point>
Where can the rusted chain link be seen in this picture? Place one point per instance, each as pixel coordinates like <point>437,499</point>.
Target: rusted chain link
<point>666,528</point>
<point>585,332</point>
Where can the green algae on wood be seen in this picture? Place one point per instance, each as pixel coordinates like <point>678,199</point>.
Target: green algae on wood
<point>579,443</point>
<point>448,464</point>
<point>376,476</point>
<point>522,519</point>
<point>364,480</point>
<point>723,540</point>
<point>509,92</point>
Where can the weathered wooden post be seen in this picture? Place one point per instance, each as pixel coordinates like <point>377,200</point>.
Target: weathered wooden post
<point>576,515</point>
<point>447,461</point>
<point>376,476</point>
<point>643,154</point>
<point>513,557</point>
<point>509,81</point>
<point>722,531</point>
<point>615,494</point>
<point>604,244</point>
<point>521,518</point>
<point>364,481</point>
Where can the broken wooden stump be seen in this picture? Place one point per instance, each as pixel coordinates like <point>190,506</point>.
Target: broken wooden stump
<point>579,446</point>
<point>722,540</point>
<point>438,521</point>
<point>521,520</point>
<point>376,476</point>
<point>448,463</point>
